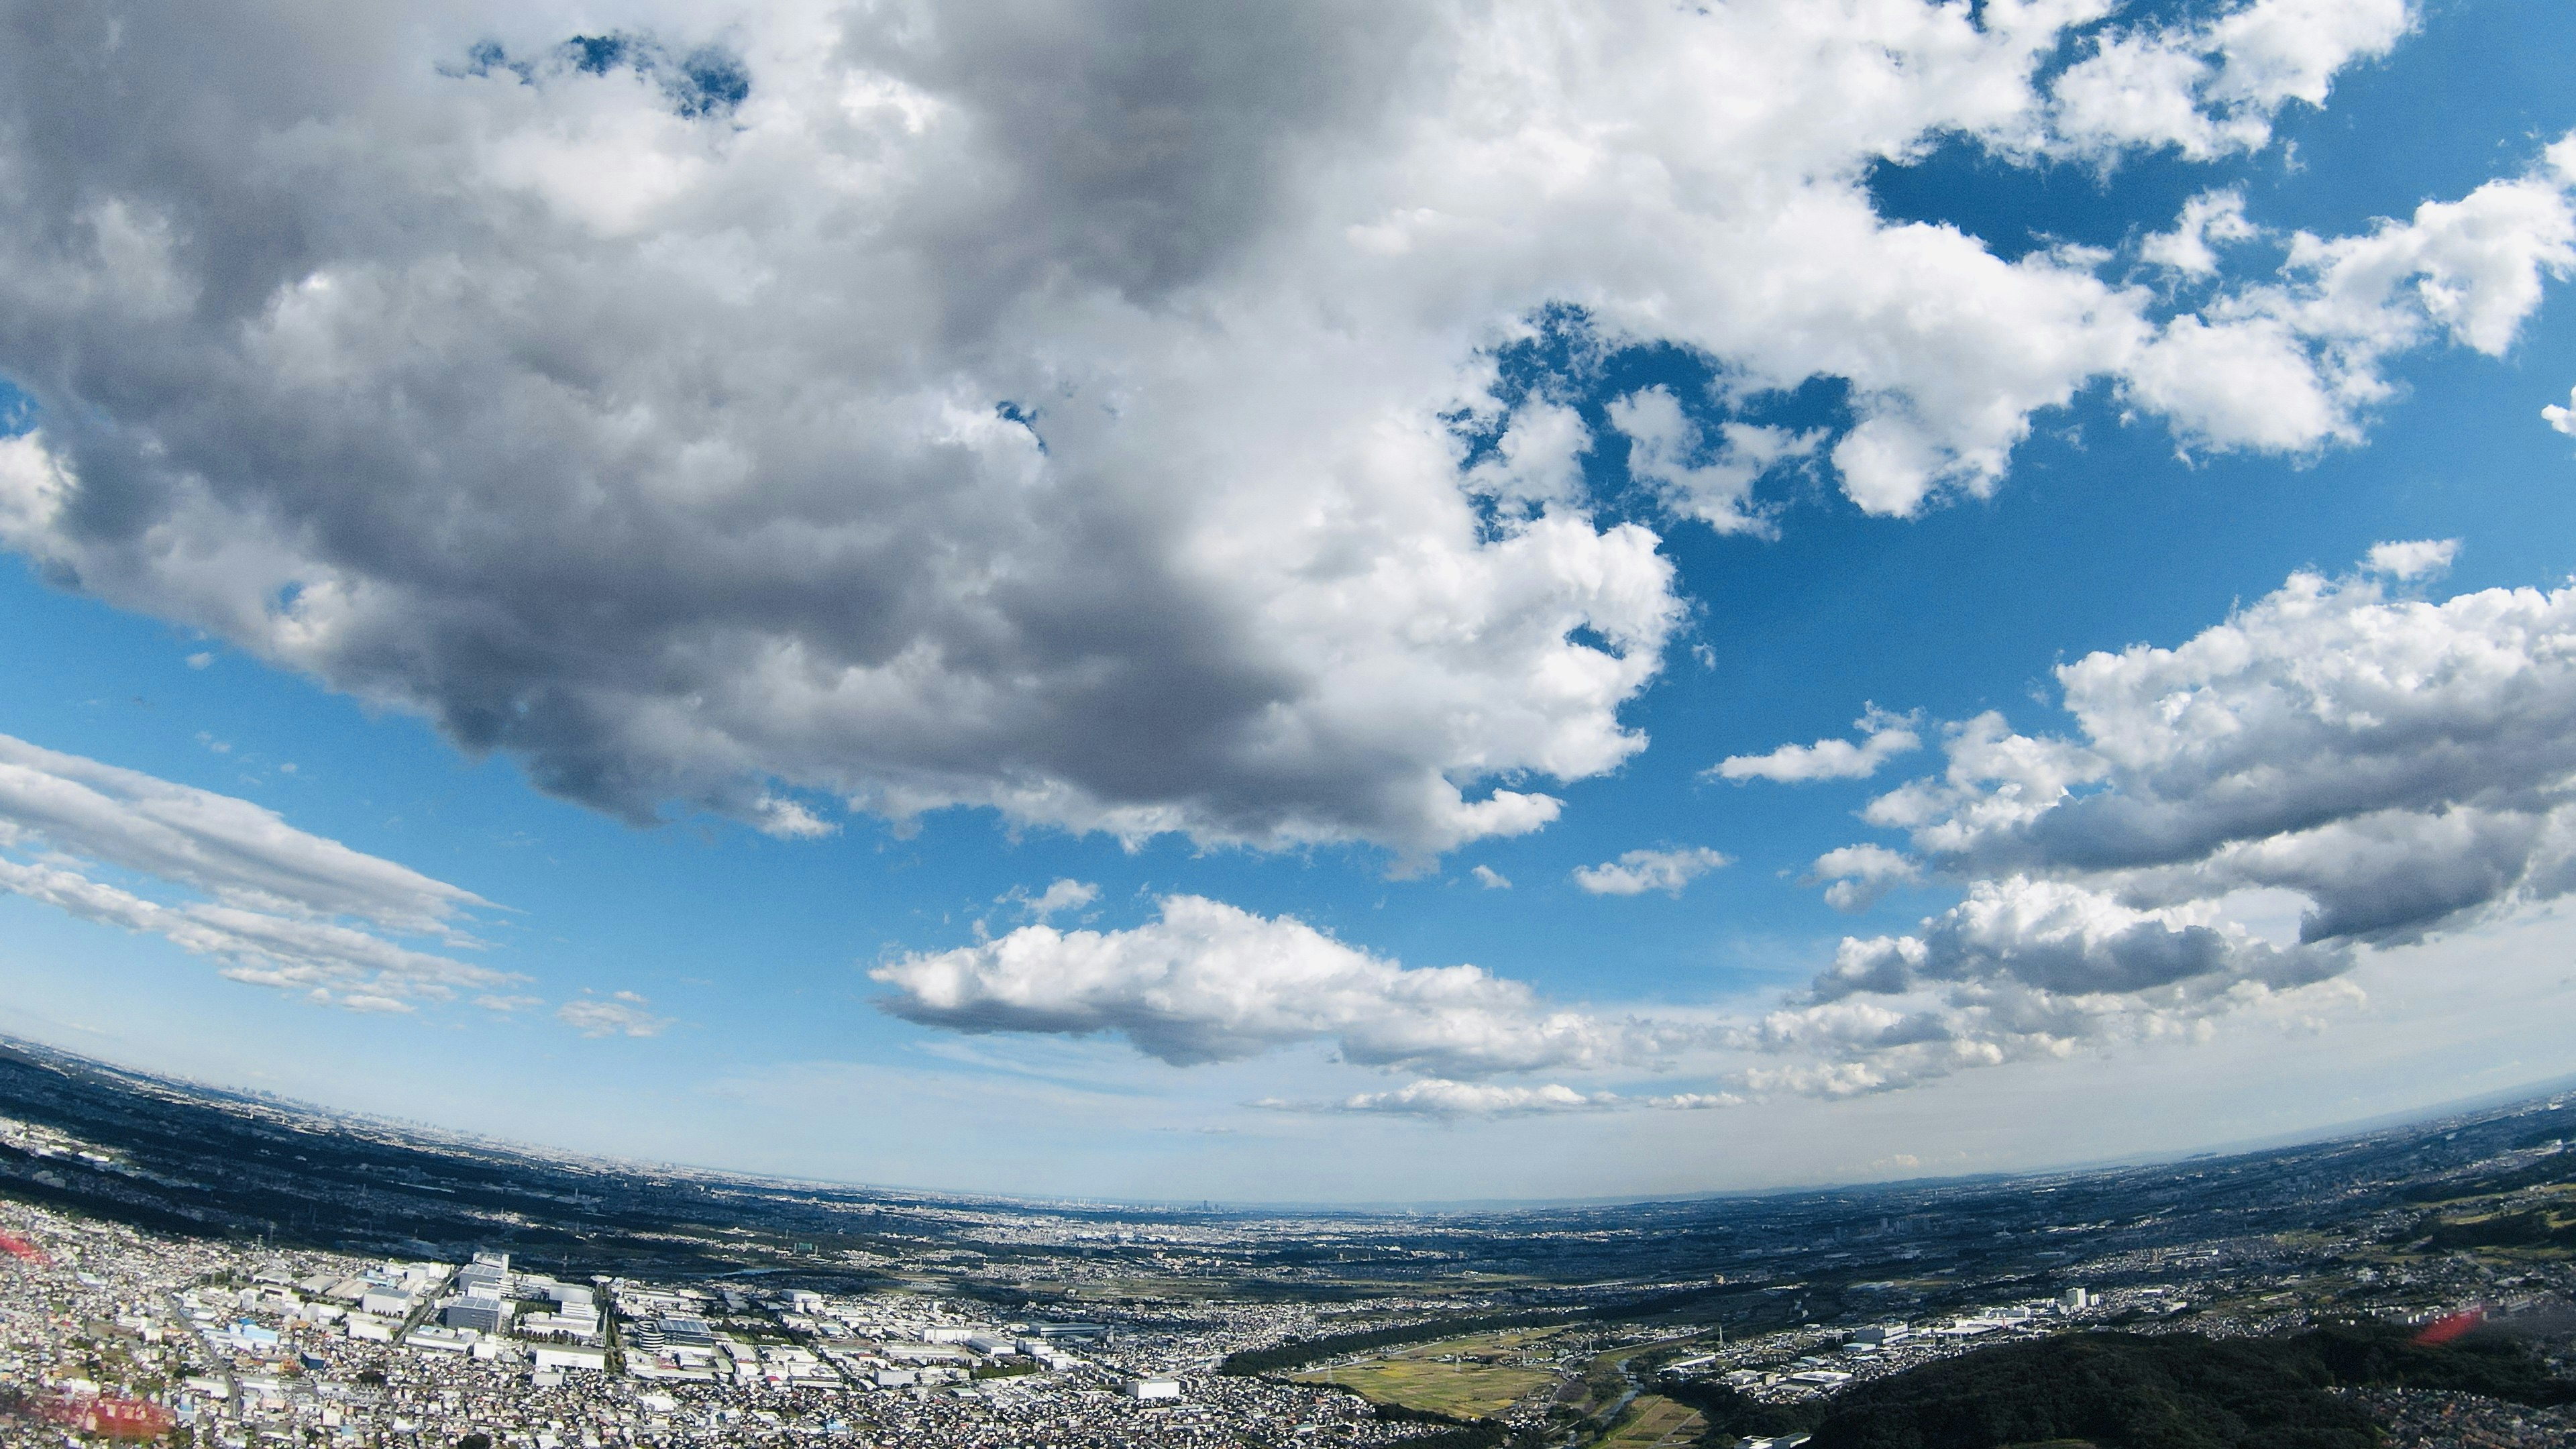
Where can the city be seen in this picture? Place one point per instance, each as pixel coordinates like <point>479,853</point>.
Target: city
<point>305,1307</point>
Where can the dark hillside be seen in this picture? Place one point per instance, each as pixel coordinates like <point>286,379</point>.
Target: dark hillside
<point>2175,1391</point>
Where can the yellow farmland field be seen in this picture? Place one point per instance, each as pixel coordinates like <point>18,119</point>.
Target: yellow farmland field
<point>1467,1390</point>
<point>1659,1424</point>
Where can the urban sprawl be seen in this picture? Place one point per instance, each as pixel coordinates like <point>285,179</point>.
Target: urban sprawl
<point>656,1306</point>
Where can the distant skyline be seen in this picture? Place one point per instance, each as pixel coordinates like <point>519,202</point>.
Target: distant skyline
<point>1358,604</point>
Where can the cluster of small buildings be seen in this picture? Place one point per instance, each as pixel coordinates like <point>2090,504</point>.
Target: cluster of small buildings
<point>1806,1361</point>
<point>248,1346</point>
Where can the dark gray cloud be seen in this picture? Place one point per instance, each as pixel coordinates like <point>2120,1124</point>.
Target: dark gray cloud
<point>1133,143</point>
<point>1027,405</point>
<point>2064,939</point>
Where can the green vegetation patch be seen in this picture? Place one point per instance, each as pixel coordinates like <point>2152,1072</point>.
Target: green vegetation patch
<point>2534,1229</point>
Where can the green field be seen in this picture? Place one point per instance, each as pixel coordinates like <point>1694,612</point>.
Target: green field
<point>1658,1423</point>
<point>1433,1376</point>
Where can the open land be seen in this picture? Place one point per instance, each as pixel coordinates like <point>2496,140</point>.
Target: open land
<point>1658,1423</point>
<point>1479,1376</point>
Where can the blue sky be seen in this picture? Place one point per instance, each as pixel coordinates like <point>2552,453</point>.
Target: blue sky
<point>378,523</point>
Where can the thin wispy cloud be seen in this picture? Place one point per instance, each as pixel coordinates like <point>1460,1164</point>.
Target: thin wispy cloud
<point>622,1013</point>
<point>276,905</point>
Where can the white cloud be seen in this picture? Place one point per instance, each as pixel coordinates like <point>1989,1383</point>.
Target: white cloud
<point>2292,365</point>
<point>623,1014</point>
<point>2275,51</point>
<point>1438,1097</point>
<point>1886,736</point>
<point>1208,982</point>
<point>200,659</point>
<point>328,962</point>
<point>1855,876</point>
<point>785,819</point>
<point>1537,461</point>
<point>281,907</point>
<point>2212,88</point>
<point>1490,878</point>
<point>2212,216</point>
<point>1695,1101</point>
<point>1719,490</point>
<point>237,852</point>
<point>1063,895</point>
<point>1640,871</point>
<point>997,395</point>
<point>2561,419</point>
<point>2419,558</point>
<point>2364,771</point>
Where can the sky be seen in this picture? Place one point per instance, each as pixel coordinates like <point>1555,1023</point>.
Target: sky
<point>1362,603</point>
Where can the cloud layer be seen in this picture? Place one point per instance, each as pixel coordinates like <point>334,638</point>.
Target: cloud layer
<point>1061,407</point>
<point>281,907</point>
<point>1209,982</point>
<point>1438,1097</point>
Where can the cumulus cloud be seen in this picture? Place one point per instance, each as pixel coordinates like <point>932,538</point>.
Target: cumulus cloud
<point>621,1014</point>
<point>1640,871</point>
<point>1209,982</point>
<point>2397,761</point>
<point>2212,216</point>
<point>2388,767</point>
<point>2210,88</point>
<point>280,907</point>
<point>2064,939</point>
<point>1056,407</point>
<point>2412,559</point>
<point>2561,419</point>
<point>2293,364</point>
<point>1884,737</point>
<point>1855,876</point>
<point>1064,895</point>
<point>1490,878</point>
